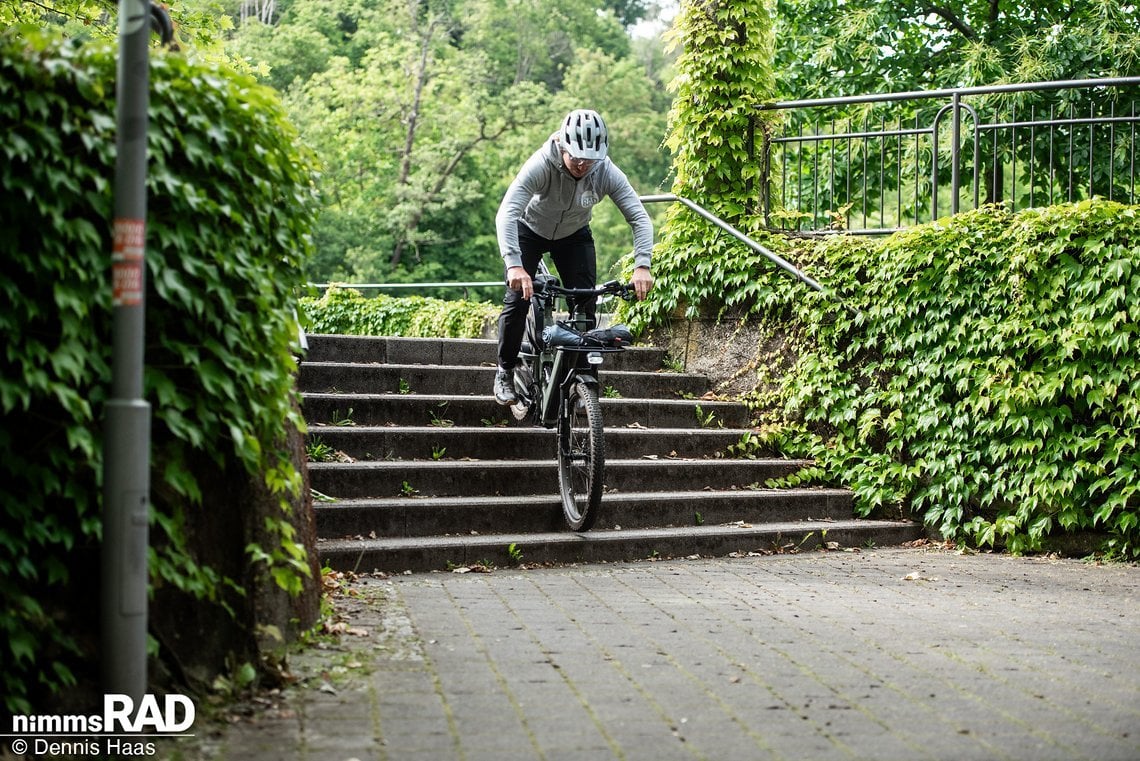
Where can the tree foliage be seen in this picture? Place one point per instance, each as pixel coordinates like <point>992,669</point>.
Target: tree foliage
<point>828,48</point>
<point>421,112</point>
<point>198,24</point>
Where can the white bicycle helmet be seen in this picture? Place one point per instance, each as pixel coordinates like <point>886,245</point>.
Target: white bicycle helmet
<point>583,135</point>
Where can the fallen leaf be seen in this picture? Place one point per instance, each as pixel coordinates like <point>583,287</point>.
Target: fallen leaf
<point>916,576</point>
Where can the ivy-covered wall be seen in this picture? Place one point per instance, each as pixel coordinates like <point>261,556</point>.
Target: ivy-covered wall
<point>981,372</point>
<point>984,372</point>
<point>231,203</point>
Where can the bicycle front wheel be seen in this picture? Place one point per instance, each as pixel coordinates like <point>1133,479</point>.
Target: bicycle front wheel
<point>581,456</point>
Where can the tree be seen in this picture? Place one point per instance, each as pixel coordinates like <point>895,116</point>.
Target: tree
<point>422,110</point>
<point>401,135</point>
<point>635,109</point>
<point>829,48</point>
<point>629,12</point>
<point>197,23</point>
<point>304,38</point>
<point>535,41</point>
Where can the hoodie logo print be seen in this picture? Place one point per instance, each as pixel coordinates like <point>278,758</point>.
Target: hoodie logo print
<point>587,199</point>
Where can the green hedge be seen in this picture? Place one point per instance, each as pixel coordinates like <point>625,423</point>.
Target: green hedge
<point>345,311</point>
<point>231,205</point>
<point>983,370</point>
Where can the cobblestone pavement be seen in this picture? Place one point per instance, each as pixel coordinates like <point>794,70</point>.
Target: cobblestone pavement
<point>882,654</point>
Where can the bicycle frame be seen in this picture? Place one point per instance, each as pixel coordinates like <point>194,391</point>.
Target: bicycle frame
<point>557,386</point>
<point>550,366</point>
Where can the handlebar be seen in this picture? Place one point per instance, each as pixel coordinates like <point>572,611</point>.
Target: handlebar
<point>612,288</point>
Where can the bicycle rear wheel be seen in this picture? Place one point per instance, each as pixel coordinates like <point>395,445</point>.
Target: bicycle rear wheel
<point>581,456</point>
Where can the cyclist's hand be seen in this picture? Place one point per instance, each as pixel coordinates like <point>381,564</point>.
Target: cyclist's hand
<point>519,280</point>
<point>642,282</point>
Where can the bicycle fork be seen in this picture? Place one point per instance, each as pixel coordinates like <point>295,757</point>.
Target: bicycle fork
<point>556,394</point>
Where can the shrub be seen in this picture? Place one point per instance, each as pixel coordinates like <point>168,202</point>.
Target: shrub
<point>345,311</point>
<point>231,205</point>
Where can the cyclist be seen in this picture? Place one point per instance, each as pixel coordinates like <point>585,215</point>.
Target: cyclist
<point>547,209</point>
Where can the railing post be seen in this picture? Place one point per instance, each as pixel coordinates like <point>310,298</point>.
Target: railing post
<point>934,167</point>
<point>955,150</point>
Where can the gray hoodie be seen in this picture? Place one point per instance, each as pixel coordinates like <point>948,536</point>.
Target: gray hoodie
<point>553,204</point>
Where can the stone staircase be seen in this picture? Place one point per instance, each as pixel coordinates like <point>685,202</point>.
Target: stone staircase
<point>432,474</point>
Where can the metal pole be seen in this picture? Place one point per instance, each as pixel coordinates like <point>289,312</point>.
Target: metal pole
<point>771,255</point>
<point>126,446</point>
<point>955,150</point>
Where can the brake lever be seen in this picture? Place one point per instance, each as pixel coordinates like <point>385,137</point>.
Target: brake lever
<point>628,293</point>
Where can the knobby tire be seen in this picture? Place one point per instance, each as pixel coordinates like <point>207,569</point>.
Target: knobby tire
<point>581,456</point>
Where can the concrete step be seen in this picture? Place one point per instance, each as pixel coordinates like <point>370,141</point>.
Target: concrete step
<point>518,443</point>
<point>446,410</point>
<point>459,478</point>
<point>436,475</point>
<point>446,351</point>
<point>422,553</point>
<point>428,516</point>
<point>356,378</point>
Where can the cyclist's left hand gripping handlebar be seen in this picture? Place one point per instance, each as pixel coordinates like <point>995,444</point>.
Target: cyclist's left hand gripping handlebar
<point>624,291</point>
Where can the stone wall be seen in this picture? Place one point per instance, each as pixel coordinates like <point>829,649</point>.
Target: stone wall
<point>740,356</point>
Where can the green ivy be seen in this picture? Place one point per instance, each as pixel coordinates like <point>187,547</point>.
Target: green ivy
<point>345,311</point>
<point>987,375</point>
<point>982,371</point>
<point>231,203</point>
<point>723,73</point>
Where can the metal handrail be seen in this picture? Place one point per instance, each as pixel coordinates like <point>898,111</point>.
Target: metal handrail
<point>772,256</point>
<point>407,285</point>
<point>1063,84</point>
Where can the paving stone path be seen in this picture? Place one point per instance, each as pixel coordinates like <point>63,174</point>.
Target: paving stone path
<point>897,653</point>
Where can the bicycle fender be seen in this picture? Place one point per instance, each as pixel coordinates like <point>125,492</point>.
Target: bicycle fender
<point>587,378</point>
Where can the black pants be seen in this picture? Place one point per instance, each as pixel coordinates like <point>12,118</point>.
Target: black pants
<point>575,261</point>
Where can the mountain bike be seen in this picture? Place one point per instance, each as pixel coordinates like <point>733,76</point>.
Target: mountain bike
<point>556,381</point>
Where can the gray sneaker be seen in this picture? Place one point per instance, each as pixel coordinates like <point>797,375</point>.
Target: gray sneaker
<point>505,387</point>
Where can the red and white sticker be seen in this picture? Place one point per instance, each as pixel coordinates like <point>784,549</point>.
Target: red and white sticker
<point>127,262</point>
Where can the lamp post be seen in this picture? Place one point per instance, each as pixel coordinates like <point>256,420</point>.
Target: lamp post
<point>126,446</point>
